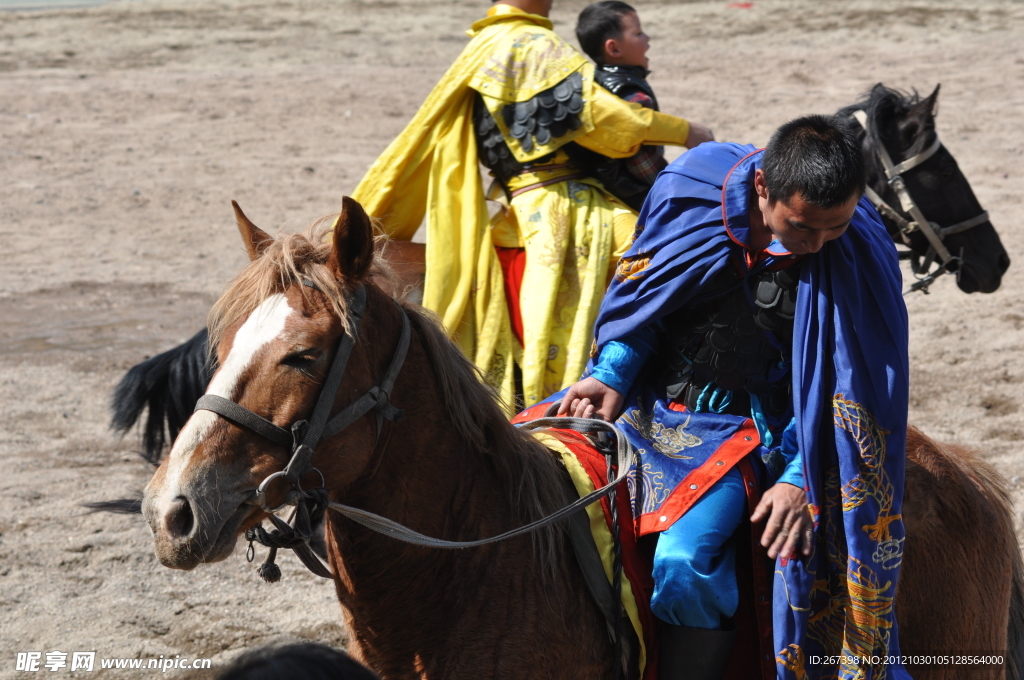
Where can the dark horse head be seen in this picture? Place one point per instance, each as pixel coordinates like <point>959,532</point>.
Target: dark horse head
<point>904,126</point>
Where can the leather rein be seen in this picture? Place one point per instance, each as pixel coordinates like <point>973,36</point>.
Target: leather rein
<point>304,436</point>
<point>934,233</point>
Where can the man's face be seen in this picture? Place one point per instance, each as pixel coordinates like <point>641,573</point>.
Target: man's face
<point>630,49</point>
<point>803,228</point>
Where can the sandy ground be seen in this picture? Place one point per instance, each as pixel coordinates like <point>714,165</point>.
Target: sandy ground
<point>126,129</point>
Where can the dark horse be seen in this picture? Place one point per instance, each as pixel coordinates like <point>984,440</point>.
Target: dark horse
<point>904,126</point>
<point>455,469</point>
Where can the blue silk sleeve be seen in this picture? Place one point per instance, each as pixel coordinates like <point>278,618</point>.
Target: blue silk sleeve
<point>790,450</point>
<point>621,360</point>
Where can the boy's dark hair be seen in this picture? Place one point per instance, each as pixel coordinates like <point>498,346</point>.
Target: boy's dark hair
<point>817,157</point>
<point>306,660</point>
<point>599,22</point>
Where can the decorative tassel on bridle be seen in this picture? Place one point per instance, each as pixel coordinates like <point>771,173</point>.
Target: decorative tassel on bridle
<point>309,512</point>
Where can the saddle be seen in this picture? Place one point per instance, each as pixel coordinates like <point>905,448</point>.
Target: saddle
<point>753,654</point>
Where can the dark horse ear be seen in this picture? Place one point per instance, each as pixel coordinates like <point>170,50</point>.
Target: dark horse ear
<point>925,109</point>
<point>882,107</point>
<point>256,240</point>
<point>931,102</point>
<point>352,252</point>
<point>919,118</point>
<point>877,91</point>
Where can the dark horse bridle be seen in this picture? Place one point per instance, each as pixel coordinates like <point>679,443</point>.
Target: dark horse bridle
<point>934,233</point>
<point>303,437</point>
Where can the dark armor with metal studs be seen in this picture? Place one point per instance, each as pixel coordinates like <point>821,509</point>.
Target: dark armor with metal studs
<point>739,341</point>
<point>623,81</point>
<point>548,115</point>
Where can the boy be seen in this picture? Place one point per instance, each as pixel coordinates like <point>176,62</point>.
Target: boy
<point>610,33</point>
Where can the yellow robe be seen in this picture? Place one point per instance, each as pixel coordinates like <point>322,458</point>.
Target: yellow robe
<point>573,232</point>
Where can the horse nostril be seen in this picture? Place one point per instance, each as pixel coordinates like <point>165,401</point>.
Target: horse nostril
<point>1004,263</point>
<point>179,518</point>
<point>966,281</point>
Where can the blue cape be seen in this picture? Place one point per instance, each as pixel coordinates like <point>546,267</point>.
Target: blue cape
<point>680,243</point>
<point>850,395</point>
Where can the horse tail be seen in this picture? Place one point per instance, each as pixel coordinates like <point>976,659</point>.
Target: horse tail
<point>1015,629</point>
<point>168,387</point>
<point>121,506</point>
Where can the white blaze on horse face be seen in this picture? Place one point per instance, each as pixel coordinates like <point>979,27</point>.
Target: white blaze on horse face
<point>264,325</point>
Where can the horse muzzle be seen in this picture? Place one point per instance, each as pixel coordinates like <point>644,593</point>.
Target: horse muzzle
<point>972,279</point>
<point>187,532</point>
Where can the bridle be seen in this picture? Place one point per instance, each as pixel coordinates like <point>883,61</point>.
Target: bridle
<point>303,437</point>
<point>934,233</point>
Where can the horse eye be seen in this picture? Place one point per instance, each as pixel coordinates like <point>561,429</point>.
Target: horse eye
<point>302,359</point>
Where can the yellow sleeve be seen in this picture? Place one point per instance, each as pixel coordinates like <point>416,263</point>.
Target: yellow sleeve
<point>623,231</point>
<point>621,127</point>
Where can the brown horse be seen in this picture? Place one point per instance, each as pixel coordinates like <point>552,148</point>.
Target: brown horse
<point>961,586</point>
<point>455,469</point>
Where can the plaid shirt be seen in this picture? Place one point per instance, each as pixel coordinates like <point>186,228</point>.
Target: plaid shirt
<point>646,163</point>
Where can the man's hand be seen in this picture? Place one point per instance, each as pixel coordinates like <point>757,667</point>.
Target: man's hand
<point>790,525</point>
<point>590,397</point>
<point>698,135</point>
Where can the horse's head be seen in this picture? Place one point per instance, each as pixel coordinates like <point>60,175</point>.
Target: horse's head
<point>905,127</point>
<point>276,330</point>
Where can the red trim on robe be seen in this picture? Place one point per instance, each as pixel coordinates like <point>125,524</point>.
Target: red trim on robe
<point>700,480</point>
<point>725,187</point>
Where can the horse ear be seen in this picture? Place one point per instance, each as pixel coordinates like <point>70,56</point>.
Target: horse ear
<point>932,102</point>
<point>882,107</point>
<point>926,109</point>
<point>256,240</point>
<point>352,251</point>
<point>919,118</point>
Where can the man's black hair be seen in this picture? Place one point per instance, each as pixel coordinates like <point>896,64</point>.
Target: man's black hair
<point>817,157</point>
<point>598,23</point>
<point>306,660</point>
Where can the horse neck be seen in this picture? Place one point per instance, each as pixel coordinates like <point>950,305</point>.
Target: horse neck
<point>424,473</point>
<point>425,470</point>
<point>407,602</point>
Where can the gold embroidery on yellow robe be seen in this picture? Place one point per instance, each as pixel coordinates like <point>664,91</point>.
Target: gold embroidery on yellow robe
<point>429,173</point>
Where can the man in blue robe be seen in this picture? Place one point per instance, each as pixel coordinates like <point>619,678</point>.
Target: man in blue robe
<point>758,317</point>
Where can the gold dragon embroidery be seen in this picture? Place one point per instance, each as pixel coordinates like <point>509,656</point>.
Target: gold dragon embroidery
<point>631,267</point>
<point>873,481</point>
<point>855,612</point>
<point>670,441</point>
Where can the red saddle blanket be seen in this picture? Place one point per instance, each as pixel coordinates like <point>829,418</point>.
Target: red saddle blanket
<point>753,655</point>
